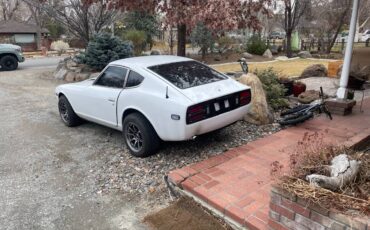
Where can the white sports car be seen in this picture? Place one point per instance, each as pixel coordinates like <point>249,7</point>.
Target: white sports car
<point>155,98</point>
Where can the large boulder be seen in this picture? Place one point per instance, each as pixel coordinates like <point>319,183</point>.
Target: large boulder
<point>304,54</point>
<point>70,77</point>
<point>247,55</point>
<point>71,71</point>
<point>317,70</point>
<point>268,54</point>
<point>309,96</point>
<point>155,52</point>
<point>259,112</point>
<point>61,73</point>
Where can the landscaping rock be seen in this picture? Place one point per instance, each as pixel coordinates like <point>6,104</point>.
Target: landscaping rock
<point>274,49</point>
<point>247,55</point>
<point>317,70</point>
<point>60,74</point>
<point>155,52</point>
<point>94,75</point>
<point>71,71</point>
<point>70,64</point>
<point>268,54</point>
<point>82,76</point>
<point>70,77</point>
<point>259,112</point>
<point>309,96</point>
<point>218,57</point>
<point>282,58</point>
<point>304,54</point>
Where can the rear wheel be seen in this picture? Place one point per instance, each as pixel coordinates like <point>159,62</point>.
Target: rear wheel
<point>9,63</point>
<point>296,120</point>
<point>140,137</point>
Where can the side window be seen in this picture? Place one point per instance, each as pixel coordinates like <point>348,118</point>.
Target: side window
<point>112,77</point>
<point>134,79</point>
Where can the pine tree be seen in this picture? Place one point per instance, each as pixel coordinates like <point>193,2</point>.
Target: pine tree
<point>103,49</point>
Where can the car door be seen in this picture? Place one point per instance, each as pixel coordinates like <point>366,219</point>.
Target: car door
<point>100,99</point>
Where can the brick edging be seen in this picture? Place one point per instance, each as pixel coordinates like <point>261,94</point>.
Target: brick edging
<point>288,211</point>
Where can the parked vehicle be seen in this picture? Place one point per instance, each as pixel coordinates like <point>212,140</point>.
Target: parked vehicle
<point>10,55</point>
<point>155,98</point>
<point>301,113</point>
<point>277,35</point>
<point>366,36</point>
<point>342,37</point>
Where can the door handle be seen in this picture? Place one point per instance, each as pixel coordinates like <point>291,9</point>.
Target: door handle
<point>111,100</point>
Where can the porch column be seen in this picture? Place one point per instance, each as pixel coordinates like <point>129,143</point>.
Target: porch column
<point>342,91</point>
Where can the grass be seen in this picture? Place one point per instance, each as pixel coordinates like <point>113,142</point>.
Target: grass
<point>292,68</point>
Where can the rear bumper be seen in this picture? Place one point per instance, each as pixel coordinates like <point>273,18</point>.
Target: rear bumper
<point>187,132</point>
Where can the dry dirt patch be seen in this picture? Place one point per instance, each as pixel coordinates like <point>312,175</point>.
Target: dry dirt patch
<point>184,214</point>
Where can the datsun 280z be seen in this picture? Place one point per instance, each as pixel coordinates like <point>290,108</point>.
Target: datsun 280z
<point>155,98</point>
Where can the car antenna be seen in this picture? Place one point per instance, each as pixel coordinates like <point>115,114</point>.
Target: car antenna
<point>167,92</point>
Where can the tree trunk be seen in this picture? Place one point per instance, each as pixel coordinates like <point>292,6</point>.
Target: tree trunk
<point>289,53</point>
<point>204,52</point>
<point>342,171</point>
<point>181,40</point>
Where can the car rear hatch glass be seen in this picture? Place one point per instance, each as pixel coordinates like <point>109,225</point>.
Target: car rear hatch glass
<point>187,74</point>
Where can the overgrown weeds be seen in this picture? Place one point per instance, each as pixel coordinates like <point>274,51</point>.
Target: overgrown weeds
<point>313,156</point>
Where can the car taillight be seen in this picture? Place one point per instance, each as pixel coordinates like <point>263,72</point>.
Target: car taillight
<point>245,97</point>
<point>196,113</point>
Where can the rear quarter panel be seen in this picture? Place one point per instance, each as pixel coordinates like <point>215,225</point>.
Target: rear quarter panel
<point>149,98</point>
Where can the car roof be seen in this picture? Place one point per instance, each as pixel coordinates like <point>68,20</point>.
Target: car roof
<point>147,61</point>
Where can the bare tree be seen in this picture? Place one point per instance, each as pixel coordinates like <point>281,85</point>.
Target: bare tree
<point>38,16</point>
<point>364,15</point>
<point>8,9</point>
<point>82,20</point>
<point>294,10</point>
<point>330,16</point>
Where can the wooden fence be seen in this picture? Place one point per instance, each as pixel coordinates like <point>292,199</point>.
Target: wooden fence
<point>318,46</point>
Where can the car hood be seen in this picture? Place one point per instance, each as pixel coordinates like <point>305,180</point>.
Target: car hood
<point>9,46</point>
<point>213,90</point>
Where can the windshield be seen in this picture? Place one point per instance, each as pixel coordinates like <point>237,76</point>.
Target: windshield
<point>187,74</point>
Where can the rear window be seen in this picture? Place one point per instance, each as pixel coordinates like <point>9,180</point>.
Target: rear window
<point>187,74</point>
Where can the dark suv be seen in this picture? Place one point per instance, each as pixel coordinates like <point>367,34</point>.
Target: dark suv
<point>10,55</point>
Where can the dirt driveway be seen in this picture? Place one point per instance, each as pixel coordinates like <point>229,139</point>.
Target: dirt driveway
<point>47,171</point>
<point>55,177</point>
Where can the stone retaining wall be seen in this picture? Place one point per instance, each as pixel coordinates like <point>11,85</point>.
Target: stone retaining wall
<point>288,211</point>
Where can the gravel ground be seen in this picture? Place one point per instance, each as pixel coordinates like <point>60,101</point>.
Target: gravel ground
<point>55,177</point>
<point>134,175</point>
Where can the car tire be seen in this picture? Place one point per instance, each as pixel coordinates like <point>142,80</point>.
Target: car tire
<point>67,114</point>
<point>8,63</point>
<point>140,137</point>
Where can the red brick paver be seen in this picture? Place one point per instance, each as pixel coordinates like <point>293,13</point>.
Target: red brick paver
<point>237,183</point>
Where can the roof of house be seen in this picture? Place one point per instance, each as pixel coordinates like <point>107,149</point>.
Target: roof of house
<point>14,27</point>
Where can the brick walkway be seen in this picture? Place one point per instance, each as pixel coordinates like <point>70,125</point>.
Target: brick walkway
<point>237,183</point>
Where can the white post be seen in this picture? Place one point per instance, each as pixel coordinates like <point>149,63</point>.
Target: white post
<point>342,91</point>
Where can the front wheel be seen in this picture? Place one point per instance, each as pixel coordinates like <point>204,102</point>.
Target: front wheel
<point>296,120</point>
<point>9,63</point>
<point>67,114</point>
<point>140,137</point>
